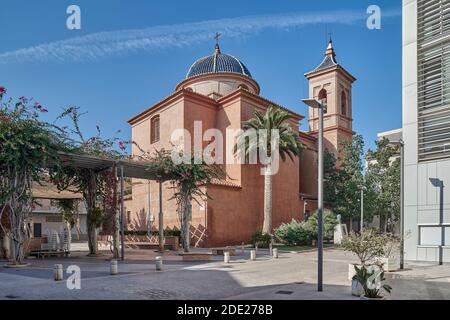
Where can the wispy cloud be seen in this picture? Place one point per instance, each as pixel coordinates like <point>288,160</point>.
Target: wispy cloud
<point>102,44</point>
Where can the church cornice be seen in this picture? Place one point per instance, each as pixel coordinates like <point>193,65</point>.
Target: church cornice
<point>313,74</point>
<point>258,99</point>
<point>215,75</point>
<point>315,132</point>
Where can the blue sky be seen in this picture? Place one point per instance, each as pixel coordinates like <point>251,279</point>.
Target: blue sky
<point>128,55</point>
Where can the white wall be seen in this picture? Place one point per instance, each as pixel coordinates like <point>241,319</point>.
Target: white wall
<point>422,199</point>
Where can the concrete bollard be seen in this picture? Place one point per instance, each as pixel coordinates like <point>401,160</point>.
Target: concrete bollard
<point>252,255</point>
<point>158,263</point>
<point>270,249</point>
<point>114,267</point>
<point>58,272</point>
<point>275,253</point>
<point>242,248</point>
<point>226,257</point>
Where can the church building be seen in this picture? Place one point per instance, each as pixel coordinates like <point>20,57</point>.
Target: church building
<point>220,92</point>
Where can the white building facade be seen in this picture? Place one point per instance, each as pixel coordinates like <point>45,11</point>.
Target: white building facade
<point>426,129</point>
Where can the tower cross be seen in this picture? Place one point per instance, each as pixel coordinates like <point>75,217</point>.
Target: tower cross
<point>217,36</point>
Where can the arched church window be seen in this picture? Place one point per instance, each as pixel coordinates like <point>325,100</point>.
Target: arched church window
<point>343,103</point>
<point>154,129</point>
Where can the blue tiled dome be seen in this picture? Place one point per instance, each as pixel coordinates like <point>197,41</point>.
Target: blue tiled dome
<point>217,62</point>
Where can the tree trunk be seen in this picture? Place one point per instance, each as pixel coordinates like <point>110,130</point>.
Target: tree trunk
<point>116,235</point>
<point>351,224</point>
<point>186,211</point>
<point>78,227</point>
<point>92,239</point>
<point>267,225</point>
<point>90,198</point>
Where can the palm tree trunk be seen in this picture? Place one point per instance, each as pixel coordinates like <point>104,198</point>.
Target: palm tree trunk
<point>267,225</point>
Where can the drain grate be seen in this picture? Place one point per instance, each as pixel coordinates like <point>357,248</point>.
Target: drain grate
<point>10,296</point>
<point>156,294</point>
<point>284,292</point>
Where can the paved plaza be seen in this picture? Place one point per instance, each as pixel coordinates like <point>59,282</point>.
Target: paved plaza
<point>292,276</point>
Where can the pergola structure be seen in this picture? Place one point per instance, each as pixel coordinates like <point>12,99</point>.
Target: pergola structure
<point>125,168</point>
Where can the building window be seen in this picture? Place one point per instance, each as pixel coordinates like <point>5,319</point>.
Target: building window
<point>432,235</point>
<point>323,96</point>
<point>343,103</point>
<point>433,85</point>
<point>154,130</point>
<point>37,230</point>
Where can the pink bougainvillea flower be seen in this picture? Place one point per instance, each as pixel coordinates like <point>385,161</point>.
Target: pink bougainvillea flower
<point>43,110</point>
<point>2,90</point>
<point>122,145</point>
<point>23,99</point>
<point>37,105</point>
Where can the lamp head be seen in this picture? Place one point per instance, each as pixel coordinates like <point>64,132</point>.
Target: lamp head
<point>437,182</point>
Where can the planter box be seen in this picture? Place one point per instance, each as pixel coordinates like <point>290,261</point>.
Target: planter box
<point>390,264</point>
<point>357,289</point>
<point>171,242</point>
<point>196,256</point>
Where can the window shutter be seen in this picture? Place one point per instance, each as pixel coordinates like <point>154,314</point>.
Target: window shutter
<point>433,88</point>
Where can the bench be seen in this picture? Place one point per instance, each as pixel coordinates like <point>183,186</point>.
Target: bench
<point>196,256</point>
<point>221,251</point>
<point>43,254</point>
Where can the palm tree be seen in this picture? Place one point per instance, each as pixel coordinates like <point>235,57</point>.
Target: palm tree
<point>288,144</point>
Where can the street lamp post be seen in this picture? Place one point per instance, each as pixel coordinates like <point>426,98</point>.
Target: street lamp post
<point>321,109</point>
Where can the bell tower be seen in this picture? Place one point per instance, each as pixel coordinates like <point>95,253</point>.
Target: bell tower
<point>332,84</point>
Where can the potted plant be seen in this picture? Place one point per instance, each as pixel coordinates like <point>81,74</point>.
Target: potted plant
<point>367,246</point>
<point>371,280</point>
<point>389,260</point>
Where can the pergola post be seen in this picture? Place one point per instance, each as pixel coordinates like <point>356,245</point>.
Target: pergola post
<point>160,220</point>
<point>122,222</point>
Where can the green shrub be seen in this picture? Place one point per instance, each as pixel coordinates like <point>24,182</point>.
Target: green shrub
<point>294,233</point>
<point>329,222</point>
<point>260,239</point>
<point>303,232</point>
<point>368,245</point>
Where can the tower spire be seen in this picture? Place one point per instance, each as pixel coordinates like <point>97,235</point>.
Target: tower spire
<point>330,50</point>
